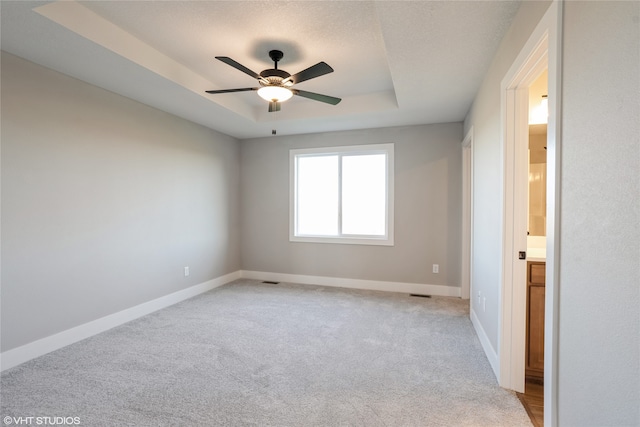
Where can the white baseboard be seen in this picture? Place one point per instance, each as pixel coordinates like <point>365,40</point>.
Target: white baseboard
<point>19,355</point>
<point>16,356</point>
<point>486,344</point>
<point>371,285</point>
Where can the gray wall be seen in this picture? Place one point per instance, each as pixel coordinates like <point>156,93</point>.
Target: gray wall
<point>599,350</point>
<point>104,201</point>
<point>599,243</point>
<point>427,209</point>
<point>484,116</point>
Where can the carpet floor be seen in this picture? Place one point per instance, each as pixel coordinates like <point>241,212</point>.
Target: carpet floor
<point>254,354</point>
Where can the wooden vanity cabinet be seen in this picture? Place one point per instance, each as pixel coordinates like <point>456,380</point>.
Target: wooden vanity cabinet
<point>534,365</point>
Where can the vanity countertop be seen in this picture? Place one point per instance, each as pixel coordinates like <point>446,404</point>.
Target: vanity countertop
<point>537,248</point>
<point>537,254</point>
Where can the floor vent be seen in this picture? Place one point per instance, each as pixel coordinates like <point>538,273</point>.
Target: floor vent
<point>420,295</point>
<point>268,282</point>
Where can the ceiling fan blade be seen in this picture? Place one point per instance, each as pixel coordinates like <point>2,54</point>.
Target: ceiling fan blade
<point>274,106</point>
<point>320,69</point>
<point>239,66</point>
<point>244,89</point>
<point>316,96</point>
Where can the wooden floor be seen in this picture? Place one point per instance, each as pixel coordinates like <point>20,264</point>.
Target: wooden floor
<point>533,401</point>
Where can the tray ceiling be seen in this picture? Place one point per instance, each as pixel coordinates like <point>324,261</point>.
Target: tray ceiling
<point>396,63</point>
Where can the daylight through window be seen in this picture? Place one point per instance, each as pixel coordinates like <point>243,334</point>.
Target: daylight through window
<point>342,195</point>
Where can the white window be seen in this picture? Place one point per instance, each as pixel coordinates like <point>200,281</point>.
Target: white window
<point>342,195</point>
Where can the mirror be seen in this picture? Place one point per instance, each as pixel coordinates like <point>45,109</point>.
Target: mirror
<point>538,180</point>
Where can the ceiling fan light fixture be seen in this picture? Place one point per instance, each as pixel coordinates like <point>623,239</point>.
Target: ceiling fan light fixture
<point>274,93</point>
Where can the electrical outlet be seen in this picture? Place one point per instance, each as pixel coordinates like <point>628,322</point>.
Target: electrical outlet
<point>436,268</point>
<point>186,271</point>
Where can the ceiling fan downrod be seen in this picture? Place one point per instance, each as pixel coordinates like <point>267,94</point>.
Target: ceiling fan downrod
<point>275,55</point>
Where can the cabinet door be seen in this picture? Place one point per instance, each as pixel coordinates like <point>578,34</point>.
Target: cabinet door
<point>535,354</point>
<point>537,273</point>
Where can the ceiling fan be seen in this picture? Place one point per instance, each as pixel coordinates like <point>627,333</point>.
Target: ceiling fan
<point>276,85</point>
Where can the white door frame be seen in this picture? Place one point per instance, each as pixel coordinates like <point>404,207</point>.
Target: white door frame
<point>542,50</point>
<point>516,189</point>
<point>467,214</point>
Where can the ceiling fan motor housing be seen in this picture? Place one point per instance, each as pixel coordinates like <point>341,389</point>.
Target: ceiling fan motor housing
<point>274,77</point>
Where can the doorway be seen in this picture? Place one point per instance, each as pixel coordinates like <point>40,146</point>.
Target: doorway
<point>467,214</point>
<point>533,397</point>
<point>534,280</point>
<point>515,221</point>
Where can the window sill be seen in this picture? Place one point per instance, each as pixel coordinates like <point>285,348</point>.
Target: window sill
<point>373,241</point>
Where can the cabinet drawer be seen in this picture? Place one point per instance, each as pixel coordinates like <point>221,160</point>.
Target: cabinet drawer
<point>537,272</point>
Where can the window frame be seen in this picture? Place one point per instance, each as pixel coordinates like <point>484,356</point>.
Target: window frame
<point>388,150</point>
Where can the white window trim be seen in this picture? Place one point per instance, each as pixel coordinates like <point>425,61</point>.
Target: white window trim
<point>388,239</point>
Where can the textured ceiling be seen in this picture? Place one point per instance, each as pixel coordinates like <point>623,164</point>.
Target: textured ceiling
<point>396,62</point>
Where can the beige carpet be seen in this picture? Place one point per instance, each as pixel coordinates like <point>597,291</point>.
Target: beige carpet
<point>253,354</point>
